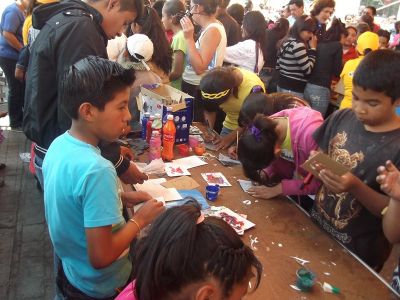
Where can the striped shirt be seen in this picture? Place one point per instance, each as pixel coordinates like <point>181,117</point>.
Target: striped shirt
<point>294,63</point>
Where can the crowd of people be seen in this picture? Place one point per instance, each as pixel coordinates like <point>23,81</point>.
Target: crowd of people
<point>74,69</point>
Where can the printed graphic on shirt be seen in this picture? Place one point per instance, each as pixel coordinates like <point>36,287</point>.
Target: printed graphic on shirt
<point>339,209</point>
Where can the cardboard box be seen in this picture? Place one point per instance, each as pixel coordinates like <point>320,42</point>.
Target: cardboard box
<point>155,99</point>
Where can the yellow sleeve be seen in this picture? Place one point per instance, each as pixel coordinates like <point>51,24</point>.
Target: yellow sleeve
<point>25,29</point>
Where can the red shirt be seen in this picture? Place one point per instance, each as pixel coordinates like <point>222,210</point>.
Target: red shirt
<point>350,54</point>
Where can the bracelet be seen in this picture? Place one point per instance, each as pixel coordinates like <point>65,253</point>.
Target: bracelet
<point>137,224</point>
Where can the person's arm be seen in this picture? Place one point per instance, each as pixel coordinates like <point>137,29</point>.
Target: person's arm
<point>389,180</point>
<point>391,226</point>
<point>178,65</point>
<point>373,201</point>
<point>200,58</point>
<point>12,40</point>
<point>104,246</point>
<point>305,59</point>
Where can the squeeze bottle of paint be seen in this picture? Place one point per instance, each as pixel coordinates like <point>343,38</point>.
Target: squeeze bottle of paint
<point>169,131</point>
<point>145,118</point>
<point>148,128</point>
<point>155,146</point>
<point>157,123</point>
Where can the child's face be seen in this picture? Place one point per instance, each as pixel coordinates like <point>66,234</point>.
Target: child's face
<point>374,109</point>
<point>167,21</point>
<point>110,122</point>
<point>383,42</point>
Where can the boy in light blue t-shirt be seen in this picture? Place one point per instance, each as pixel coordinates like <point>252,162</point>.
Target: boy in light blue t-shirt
<point>83,198</point>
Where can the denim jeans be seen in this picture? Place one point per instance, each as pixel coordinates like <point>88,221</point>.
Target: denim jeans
<point>318,97</point>
<point>281,90</point>
<point>15,92</point>
<point>225,131</point>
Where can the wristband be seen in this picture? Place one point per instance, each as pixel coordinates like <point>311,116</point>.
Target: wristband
<point>136,223</point>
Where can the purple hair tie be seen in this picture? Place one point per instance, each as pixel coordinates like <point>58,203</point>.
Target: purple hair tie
<point>255,132</point>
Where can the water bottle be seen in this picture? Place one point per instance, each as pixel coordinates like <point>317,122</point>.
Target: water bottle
<point>155,146</point>
<point>145,118</point>
<point>169,131</point>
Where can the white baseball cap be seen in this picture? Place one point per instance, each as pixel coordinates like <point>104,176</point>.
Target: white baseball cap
<point>141,48</point>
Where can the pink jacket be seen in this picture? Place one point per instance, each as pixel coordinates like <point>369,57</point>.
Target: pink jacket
<point>303,122</point>
<point>128,293</point>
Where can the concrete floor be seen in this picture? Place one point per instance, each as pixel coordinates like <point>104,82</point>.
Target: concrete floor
<point>26,255</point>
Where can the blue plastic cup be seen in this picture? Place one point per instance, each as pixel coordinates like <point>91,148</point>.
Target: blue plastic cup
<point>212,192</point>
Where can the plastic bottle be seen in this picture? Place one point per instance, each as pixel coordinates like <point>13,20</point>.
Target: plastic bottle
<point>145,118</point>
<point>169,131</point>
<point>155,146</point>
<point>157,123</point>
<point>148,128</point>
<point>169,112</point>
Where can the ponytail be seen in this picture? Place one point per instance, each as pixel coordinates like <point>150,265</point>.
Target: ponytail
<point>256,148</point>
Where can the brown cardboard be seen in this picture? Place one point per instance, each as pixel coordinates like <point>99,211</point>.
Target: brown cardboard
<point>181,183</point>
<point>324,160</point>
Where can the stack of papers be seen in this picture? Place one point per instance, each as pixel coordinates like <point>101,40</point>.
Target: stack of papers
<point>154,188</point>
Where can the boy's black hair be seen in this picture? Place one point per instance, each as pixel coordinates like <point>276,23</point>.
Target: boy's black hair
<point>298,3</point>
<point>94,80</point>
<point>260,103</point>
<point>379,71</point>
<point>373,10</point>
<point>346,32</point>
<point>216,81</point>
<point>178,251</point>
<point>320,5</point>
<point>384,33</point>
<point>256,148</point>
<point>127,5</point>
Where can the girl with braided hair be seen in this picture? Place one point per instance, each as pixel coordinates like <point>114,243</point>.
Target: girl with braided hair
<point>274,148</point>
<point>187,256</point>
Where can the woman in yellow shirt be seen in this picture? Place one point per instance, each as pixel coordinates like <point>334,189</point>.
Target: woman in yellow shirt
<point>366,42</point>
<point>226,88</point>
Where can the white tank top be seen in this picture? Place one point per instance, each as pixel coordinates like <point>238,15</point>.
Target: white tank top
<point>189,75</point>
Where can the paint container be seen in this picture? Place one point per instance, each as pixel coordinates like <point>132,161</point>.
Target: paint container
<point>212,192</point>
<point>305,279</point>
<point>193,141</point>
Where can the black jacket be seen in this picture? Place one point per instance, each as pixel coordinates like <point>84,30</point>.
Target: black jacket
<point>69,31</point>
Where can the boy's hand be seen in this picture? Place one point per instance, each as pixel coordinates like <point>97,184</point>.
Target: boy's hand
<point>389,179</point>
<point>265,192</point>
<point>133,175</point>
<point>148,212</point>
<point>127,153</point>
<point>338,184</point>
<point>130,199</point>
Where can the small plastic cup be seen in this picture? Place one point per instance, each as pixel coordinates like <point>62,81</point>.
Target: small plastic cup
<point>305,279</point>
<point>193,141</point>
<point>212,192</point>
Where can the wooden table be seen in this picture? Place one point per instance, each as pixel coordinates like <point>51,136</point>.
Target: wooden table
<point>284,230</point>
